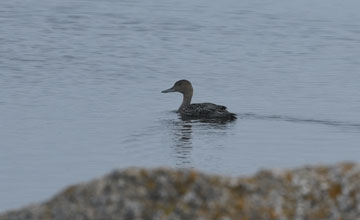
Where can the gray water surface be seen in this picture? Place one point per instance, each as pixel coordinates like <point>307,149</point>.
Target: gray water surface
<point>80,86</point>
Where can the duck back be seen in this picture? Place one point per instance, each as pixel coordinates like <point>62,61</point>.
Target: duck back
<point>206,110</point>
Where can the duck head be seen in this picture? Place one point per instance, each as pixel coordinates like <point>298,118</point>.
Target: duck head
<point>183,86</point>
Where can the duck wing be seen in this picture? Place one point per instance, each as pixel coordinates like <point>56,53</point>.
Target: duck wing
<point>197,110</point>
<point>213,106</point>
<point>206,110</point>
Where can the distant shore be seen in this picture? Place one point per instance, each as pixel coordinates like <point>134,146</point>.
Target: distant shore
<point>311,192</point>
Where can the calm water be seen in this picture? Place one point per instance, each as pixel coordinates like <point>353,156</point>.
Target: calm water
<point>80,86</point>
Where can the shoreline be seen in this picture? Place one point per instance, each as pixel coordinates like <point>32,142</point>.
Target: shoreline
<point>309,192</point>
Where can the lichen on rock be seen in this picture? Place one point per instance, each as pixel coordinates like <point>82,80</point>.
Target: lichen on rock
<point>309,193</point>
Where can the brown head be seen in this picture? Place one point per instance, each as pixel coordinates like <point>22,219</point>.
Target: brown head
<point>183,86</point>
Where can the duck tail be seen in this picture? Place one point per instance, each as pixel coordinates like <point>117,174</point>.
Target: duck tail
<point>224,115</point>
<point>233,116</point>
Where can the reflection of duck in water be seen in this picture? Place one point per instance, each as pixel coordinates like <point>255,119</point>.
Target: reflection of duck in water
<point>183,144</point>
<point>198,110</point>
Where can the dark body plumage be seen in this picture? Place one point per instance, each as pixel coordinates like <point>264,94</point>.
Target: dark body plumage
<point>206,110</point>
<point>198,110</point>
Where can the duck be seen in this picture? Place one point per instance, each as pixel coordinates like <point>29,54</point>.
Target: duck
<point>198,110</point>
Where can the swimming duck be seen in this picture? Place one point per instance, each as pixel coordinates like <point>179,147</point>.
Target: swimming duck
<point>198,110</point>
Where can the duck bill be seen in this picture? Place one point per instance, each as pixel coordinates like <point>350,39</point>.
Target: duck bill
<point>169,90</point>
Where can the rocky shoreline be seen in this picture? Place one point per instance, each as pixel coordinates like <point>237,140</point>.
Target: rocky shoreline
<point>307,193</point>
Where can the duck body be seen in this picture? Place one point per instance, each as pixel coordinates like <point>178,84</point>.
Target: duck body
<point>206,110</point>
<point>198,110</point>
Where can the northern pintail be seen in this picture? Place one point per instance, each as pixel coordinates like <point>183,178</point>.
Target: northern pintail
<point>198,110</point>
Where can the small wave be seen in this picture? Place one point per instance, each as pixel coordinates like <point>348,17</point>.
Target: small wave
<point>299,120</point>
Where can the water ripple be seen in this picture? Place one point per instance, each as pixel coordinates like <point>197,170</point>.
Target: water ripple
<point>299,120</point>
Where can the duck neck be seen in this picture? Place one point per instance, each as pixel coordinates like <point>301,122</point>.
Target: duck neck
<point>186,99</point>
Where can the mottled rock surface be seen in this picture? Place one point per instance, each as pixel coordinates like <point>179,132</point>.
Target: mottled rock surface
<point>309,193</point>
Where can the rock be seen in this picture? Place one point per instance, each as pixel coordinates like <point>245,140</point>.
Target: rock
<point>308,193</point>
